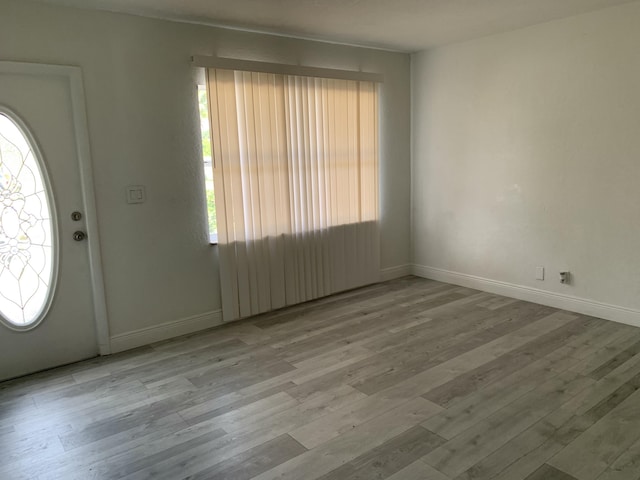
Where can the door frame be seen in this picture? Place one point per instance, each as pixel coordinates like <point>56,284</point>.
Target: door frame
<point>73,75</point>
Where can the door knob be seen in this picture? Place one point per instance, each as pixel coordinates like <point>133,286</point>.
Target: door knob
<point>79,236</point>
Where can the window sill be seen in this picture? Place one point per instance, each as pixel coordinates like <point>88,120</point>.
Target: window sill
<point>213,239</point>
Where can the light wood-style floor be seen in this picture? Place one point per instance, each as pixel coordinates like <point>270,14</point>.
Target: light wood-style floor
<point>406,380</point>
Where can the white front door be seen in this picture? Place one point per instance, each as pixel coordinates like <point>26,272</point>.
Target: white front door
<point>46,296</point>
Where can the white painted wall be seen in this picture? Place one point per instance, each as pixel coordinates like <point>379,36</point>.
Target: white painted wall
<point>143,130</point>
<point>526,152</point>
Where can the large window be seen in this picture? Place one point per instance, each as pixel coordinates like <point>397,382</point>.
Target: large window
<point>295,169</point>
<point>205,131</point>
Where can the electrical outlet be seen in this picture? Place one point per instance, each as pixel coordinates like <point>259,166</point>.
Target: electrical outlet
<point>539,273</point>
<point>565,277</point>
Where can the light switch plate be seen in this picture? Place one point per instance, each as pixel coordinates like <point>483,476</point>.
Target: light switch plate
<point>136,194</point>
<point>539,273</point>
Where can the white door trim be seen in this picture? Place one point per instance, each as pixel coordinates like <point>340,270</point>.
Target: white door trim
<point>76,89</point>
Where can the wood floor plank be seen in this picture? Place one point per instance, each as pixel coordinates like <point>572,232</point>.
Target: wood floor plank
<point>418,470</point>
<point>254,461</point>
<point>428,380</point>
<point>340,421</point>
<point>80,461</point>
<point>388,458</point>
<point>546,472</point>
<point>525,453</point>
<point>411,324</point>
<point>451,338</point>
<point>474,444</point>
<point>625,467</point>
<point>597,338</point>
<point>463,415</point>
<point>518,459</point>
<point>592,452</point>
<point>508,363</point>
<point>607,352</point>
<point>615,362</point>
<point>213,408</point>
<point>346,447</point>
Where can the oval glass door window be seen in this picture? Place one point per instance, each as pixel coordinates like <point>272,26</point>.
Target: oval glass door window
<point>27,232</point>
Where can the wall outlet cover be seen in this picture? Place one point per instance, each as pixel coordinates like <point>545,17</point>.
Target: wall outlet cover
<point>136,194</point>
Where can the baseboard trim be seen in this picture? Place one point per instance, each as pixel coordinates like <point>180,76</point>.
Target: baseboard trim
<point>557,300</point>
<point>164,331</point>
<point>395,272</point>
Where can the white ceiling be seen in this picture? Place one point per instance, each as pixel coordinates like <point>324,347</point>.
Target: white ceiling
<point>406,25</point>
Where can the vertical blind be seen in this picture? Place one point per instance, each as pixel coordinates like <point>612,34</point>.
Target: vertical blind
<point>295,163</point>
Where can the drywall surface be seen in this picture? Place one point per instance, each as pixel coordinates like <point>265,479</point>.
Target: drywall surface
<point>526,152</point>
<point>143,128</point>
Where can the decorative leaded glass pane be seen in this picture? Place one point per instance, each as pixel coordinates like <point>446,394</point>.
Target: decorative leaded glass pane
<point>26,233</point>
